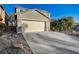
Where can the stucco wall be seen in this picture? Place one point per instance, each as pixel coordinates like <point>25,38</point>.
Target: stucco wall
<point>3,15</point>
<point>31,15</point>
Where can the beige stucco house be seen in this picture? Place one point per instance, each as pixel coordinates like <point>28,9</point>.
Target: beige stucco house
<point>32,20</point>
<point>3,15</point>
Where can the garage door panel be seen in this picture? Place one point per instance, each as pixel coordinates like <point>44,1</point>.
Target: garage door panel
<point>33,26</point>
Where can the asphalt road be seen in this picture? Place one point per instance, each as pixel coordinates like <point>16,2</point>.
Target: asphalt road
<point>52,43</point>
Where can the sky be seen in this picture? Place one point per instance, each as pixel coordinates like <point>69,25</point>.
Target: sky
<point>56,10</point>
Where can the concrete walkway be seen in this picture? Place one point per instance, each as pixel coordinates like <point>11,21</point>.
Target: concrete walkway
<point>52,43</point>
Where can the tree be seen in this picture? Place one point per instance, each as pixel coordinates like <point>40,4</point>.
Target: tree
<point>53,25</point>
<point>62,24</point>
<point>70,21</point>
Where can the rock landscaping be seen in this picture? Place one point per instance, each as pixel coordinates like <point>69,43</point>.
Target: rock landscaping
<point>12,43</point>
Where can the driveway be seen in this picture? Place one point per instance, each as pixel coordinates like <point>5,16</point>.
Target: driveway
<point>52,43</point>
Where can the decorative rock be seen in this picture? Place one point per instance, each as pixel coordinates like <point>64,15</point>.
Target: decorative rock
<point>11,50</point>
<point>12,43</point>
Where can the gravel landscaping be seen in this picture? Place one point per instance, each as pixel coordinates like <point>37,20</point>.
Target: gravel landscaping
<point>12,43</point>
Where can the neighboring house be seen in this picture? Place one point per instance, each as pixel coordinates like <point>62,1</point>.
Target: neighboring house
<point>12,22</point>
<point>32,20</point>
<point>3,15</point>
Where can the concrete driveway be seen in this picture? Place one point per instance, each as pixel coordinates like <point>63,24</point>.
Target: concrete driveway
<point>52,43</point>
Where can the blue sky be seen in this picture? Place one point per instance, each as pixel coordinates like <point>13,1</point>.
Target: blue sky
<point>56,10</point>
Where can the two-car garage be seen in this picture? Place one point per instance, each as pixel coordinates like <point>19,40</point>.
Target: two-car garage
<point>33,26</point>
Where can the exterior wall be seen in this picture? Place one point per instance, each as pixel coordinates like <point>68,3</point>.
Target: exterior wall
<point>19,25</point>
<point>31,15</point>
<point>3,15</point>
<point>19,10</point>
<point>48,26</point>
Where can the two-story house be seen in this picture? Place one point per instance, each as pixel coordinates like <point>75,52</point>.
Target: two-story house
<point>32,20</point>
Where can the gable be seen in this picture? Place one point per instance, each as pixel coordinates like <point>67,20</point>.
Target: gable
<point>32,15</point>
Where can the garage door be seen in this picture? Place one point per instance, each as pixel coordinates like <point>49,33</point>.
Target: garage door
<point>33,26</point>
